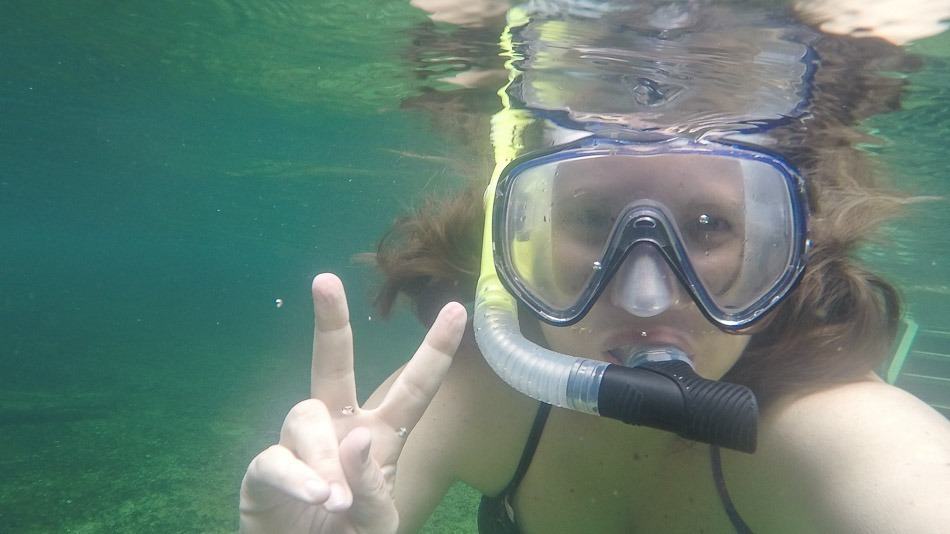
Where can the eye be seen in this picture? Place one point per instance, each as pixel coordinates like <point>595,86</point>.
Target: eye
<point>709,229</point>
<point>712,223</point>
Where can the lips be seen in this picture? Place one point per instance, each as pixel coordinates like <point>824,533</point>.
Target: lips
<point>621,347</point>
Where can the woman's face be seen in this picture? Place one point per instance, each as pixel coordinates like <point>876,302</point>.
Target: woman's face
<point>710,216</point>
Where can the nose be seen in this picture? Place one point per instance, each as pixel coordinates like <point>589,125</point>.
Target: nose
<point>644,286</point>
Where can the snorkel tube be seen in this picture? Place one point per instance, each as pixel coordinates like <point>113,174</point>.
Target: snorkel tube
<point>658,388</point>
<point>663,392</point>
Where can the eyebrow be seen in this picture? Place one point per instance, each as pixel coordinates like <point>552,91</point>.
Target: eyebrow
<point>610,177</point>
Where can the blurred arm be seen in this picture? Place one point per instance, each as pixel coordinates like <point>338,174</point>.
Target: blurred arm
<point>898,21</point>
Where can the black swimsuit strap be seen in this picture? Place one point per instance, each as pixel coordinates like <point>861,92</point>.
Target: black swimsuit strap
<point>527,454</point>
<point>496,515</point>
<point>737,522</point>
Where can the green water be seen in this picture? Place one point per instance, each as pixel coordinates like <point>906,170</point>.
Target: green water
<point>169,169</point>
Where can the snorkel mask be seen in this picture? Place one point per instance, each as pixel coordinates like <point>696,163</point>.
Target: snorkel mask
<point>659,176</point>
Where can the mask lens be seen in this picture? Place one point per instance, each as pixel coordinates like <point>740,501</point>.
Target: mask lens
<point>741,243</point>
<point>555,270</point>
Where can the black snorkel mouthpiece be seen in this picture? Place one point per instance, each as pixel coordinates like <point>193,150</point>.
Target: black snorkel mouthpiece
<point>669,395</point>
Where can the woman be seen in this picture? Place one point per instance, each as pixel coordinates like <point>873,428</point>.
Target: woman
<point>693,220</point>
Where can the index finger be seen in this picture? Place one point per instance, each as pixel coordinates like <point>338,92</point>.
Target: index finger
<point>331,373</point>
<point>411,393</point>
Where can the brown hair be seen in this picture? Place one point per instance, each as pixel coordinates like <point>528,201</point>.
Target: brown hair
<point>840,321</point>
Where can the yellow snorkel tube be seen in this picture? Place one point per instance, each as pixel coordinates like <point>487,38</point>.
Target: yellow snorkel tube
<point>663,393</point>
<point>533,370</point>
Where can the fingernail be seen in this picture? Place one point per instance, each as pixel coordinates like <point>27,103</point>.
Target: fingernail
<point>325,287</point>
<point>338,501</point>
<point>316,490</point>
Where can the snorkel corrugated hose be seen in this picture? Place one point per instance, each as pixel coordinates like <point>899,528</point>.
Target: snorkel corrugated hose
<point>538,372</point>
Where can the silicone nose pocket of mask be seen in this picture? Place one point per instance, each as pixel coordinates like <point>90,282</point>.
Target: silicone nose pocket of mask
<point>644,285</point>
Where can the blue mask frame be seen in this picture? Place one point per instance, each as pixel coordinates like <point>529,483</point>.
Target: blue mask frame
<point>654,227</point>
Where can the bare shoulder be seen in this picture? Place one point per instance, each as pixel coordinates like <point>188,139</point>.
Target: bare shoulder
<point>865,418</point>
<point>860,457</point>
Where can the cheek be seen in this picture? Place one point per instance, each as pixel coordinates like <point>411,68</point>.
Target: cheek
<point>573,264</point>
<point>576,340</point>
<point>722,351</point>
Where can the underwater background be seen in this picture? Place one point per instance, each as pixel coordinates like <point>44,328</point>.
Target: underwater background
<point>173,174</point>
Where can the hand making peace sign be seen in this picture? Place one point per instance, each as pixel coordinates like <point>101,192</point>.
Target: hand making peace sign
<point>334,467</point>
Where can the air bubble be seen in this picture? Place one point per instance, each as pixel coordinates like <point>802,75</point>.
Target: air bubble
<point>704,219</point>
<point>348,410</point>
<point>402,432</point>
<point>597,266</point>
